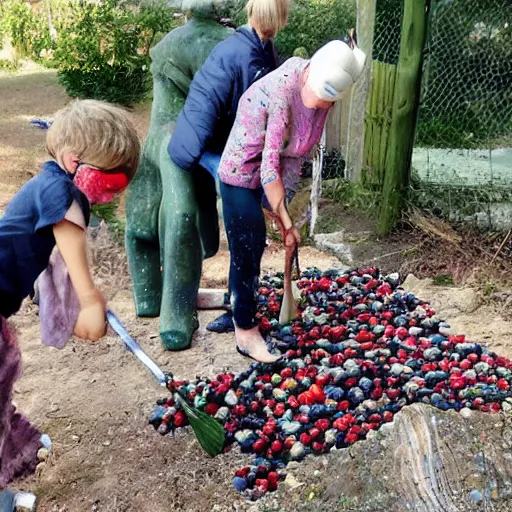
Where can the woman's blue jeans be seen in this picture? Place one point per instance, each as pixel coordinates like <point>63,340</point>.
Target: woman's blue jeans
<point>211,162</point>
<point>246,233</point>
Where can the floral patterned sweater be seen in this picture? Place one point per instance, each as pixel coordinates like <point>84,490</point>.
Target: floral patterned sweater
<point>273,133</point>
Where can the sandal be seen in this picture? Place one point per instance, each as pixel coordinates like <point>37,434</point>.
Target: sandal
<point>245,353</point>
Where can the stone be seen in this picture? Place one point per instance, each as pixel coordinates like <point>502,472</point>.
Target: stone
<point>466,413</point>
<point>334,243</point>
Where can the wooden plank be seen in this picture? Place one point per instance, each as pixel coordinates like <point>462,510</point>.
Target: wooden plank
<point>369,133</point>
<point>355,130</point>
<point>386,116</point>
<point>381,102</point>
<point>404,112</point>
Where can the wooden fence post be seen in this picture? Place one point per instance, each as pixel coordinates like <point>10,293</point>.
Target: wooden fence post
<point>404,111</point>
<point>355,129</point>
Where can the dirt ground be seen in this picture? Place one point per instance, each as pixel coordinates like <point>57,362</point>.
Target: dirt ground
<point>94,400</point>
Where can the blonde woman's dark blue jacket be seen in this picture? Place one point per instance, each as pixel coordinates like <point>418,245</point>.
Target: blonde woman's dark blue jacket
<point>206,120</point>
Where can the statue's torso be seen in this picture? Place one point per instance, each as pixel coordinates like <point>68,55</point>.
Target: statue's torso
<point>175,60</point>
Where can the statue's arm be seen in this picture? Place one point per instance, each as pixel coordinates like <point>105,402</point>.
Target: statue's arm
<point>177,77</point>
<point>208,101</point>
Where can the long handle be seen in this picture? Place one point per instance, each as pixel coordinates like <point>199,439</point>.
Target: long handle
<point>135,348</point>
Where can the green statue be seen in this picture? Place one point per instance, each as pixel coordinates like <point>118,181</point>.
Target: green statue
<point>172,222</point>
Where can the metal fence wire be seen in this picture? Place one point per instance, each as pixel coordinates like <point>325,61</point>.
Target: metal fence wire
<point>462,160</point>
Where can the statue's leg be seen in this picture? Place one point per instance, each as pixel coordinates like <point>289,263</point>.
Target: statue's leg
<point>208,218</point>
<point>144,264</point>
<point>181,253</point>
<point>142,245</point>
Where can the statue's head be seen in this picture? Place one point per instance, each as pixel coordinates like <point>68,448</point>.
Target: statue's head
<point>209,8</point>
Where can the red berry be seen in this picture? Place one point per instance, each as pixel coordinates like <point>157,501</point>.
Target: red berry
<point>389,331</point>
<point>318,394</point>
<point>392,393</point>
<point>364,336</point>
<point>351,438</point>
<point>337,333</point>
<point>179,419</point>
<point>269,428</point>
<point>314,432</point>
<point>343,406</point>
<point>350,383</point>
<point>279,410</point>
<point>473,357</point>
<point>323,424</point>
<point>503,385</point>
<point>306,398</point>
<point>259,445</point>
<point>262,484</point>
<point>465,364</point>
<point>305,439</point>
<point>324,284</point>
<point>276,446</point>
<point>211,408</point>
<point>340,424</point>
<point>318,447</point>
<point>289,442</point>
<point>243,472</point>
<point>387,416</point>
<point>293,402</point>
<point>322,380</point>
<point>286,373</point>
<point>273,480</point>
<point>401,332</point>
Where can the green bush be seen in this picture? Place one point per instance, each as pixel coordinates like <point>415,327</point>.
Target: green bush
<point>313,23</point>
<point>102,51</point>
<point>28,28</point>
<point>28,34</point>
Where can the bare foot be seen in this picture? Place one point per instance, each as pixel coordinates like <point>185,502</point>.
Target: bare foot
<point>251,343</point>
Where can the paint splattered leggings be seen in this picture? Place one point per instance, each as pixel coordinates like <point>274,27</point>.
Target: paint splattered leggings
<point>245,230</point>
<point>19,440</point>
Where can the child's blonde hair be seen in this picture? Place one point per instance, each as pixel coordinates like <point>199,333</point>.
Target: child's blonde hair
<point>270,16</point>
<point>99,133</point>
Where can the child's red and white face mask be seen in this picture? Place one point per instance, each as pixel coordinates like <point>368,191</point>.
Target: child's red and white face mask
<point>99,187</point>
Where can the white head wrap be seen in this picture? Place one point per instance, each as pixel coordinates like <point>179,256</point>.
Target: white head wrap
<point>333,69</point>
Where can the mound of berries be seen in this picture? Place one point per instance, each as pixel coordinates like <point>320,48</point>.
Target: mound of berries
<point>361,349</point>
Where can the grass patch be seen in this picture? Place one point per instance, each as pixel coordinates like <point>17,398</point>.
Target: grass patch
<point>353,196</point>
<point>443,280</point>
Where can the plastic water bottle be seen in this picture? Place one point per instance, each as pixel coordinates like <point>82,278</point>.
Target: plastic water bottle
<point>10,500</point>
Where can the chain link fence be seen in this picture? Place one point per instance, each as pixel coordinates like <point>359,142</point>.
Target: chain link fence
<point>462,160</point>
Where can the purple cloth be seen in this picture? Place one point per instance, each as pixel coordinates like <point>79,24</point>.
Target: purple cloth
<point>58,303</point>
<point>19,440</point>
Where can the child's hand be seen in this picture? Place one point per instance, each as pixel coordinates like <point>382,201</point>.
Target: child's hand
<point>91,323</point>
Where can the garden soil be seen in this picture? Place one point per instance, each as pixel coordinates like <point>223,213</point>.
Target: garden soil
<point>94,399</point>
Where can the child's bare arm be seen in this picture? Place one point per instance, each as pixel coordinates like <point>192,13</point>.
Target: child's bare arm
<point>71,242</point>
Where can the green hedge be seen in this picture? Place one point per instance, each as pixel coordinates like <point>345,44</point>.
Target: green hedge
<point>28,34</point>
<point>101,49</point>
<point>104,51</point>
<point>313,23</point>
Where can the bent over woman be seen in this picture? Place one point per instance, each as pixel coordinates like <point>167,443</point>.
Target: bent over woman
<point>280,119</point>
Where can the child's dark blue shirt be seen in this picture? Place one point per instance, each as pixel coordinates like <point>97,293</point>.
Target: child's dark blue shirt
<point>26,232</point>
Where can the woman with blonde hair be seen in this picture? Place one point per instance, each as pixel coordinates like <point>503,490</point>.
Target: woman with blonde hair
<point>205,122</point>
